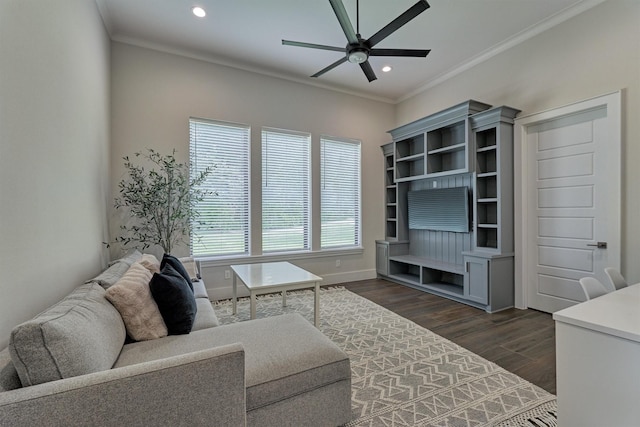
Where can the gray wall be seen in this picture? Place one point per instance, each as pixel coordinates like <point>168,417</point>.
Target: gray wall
<point>592,54</point>
<point>54,153</point>
<point>155,93</point>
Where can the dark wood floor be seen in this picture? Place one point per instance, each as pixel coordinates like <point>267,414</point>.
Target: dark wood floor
<point>520,341</point>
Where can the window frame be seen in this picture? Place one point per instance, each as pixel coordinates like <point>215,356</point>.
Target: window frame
<point>358,215</point>
<point>285,136</point>
<point>246,187</point>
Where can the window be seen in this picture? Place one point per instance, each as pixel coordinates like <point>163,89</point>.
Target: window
<point>285,190</point>
<point>340,193</point>
<point>222,227</point>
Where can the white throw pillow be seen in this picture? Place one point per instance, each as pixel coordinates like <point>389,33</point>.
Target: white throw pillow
<point>132,298</point>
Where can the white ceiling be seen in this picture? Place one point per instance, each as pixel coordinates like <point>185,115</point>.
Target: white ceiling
<point>247,34</point>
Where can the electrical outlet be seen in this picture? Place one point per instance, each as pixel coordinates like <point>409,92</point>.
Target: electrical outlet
<point>227,274</point>
<point>337,263</point>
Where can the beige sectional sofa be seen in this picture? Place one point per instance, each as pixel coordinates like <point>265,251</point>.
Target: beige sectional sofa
<point>70,366</point>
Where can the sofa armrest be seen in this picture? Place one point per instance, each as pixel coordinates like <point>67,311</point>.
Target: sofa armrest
<point>201,388</point>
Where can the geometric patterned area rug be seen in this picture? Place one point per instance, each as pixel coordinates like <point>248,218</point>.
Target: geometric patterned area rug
<point>406,375</point>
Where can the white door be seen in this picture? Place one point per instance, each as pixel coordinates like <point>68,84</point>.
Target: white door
<point>569,202</point>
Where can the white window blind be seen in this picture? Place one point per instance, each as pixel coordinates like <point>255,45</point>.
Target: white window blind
<point>285,190</point>
<point>340,193</point>
<point>222,228</point>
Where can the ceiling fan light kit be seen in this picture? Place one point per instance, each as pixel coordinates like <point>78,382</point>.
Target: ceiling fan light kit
<point>358,50</point>
<point>358,56</point>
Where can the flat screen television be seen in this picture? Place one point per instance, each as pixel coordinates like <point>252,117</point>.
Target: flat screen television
<point>441,209</point>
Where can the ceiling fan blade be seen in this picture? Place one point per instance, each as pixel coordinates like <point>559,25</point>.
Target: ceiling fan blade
<point>407,16</point>
<point>343,19</point>
<point>368,71</point>
<point>400,52</point>
<point>330,67</point>
<point>312,45</point>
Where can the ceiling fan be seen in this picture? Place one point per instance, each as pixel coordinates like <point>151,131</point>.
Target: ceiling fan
<point>358,50</point>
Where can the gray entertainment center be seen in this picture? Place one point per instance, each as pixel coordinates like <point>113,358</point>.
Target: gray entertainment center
<point>430,166</point>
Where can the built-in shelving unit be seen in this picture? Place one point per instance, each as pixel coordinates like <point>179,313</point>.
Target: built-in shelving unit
<point>391,193</point>
<point>470,145</point>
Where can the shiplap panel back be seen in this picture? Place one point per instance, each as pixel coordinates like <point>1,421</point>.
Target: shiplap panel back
<point>445,246</point>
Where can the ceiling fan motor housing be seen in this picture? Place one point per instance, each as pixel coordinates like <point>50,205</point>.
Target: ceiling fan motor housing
<point>357,53</point>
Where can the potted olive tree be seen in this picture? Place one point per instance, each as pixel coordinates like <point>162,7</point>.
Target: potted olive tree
<point>159,199</point>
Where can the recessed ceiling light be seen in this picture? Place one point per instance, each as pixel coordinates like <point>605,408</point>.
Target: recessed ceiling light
<point>199,12</point>
<point>386,68</point>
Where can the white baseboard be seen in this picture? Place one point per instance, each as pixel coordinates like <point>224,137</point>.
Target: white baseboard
<point>226,292</point>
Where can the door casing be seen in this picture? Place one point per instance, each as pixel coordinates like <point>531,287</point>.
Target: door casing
<point>526,213</point>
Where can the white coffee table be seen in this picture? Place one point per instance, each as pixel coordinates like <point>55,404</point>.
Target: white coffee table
<point>264,278</point>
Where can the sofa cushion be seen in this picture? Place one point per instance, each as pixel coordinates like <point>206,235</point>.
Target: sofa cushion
<point>111,275</point>
<point>9,379</point>
<point>285,356</point>
<point>131,256</point>
<point>199,290</point>
<point>206,316</point>
<point>175,300</point>
<point>177,266</point>
<point>132,297</point>
<point>82,333</point>
<point>191,266</point>
<point>116,269</point>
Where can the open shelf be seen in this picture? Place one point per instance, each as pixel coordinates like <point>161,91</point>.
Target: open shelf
<point>486,187</point>
<point>391,212</point>
<point>410,147</point>
<point>486,161</point>
<point>388,160</point>
<point>430,275</point>
<point>485,139</point>
<point>411,158</point>
<point>447,149</point>
<point>391,230</point>
<point>389,177</point>
<point>391,194</point>
<point>447,136</point>
<point>487,237</point>
<point>410,169</point>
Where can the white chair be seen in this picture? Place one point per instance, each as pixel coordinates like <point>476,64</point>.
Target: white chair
<point>592,287</point>
<point>617,280</point>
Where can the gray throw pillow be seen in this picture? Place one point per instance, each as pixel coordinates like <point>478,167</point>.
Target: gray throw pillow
<point>81,334</point>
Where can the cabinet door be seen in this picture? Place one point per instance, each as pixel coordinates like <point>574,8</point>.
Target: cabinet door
<point>382,259</point>
<point>476,287</point>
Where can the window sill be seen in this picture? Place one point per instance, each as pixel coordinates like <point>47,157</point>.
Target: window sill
<point>286,256</point>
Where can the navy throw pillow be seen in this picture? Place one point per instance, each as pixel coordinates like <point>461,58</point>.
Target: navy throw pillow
<point>177,266</point>
<point>175,300</point>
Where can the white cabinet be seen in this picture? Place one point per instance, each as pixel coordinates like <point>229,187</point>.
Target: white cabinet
<point>598,361</point>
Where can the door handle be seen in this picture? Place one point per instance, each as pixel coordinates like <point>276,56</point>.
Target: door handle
<point>599,245</point>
